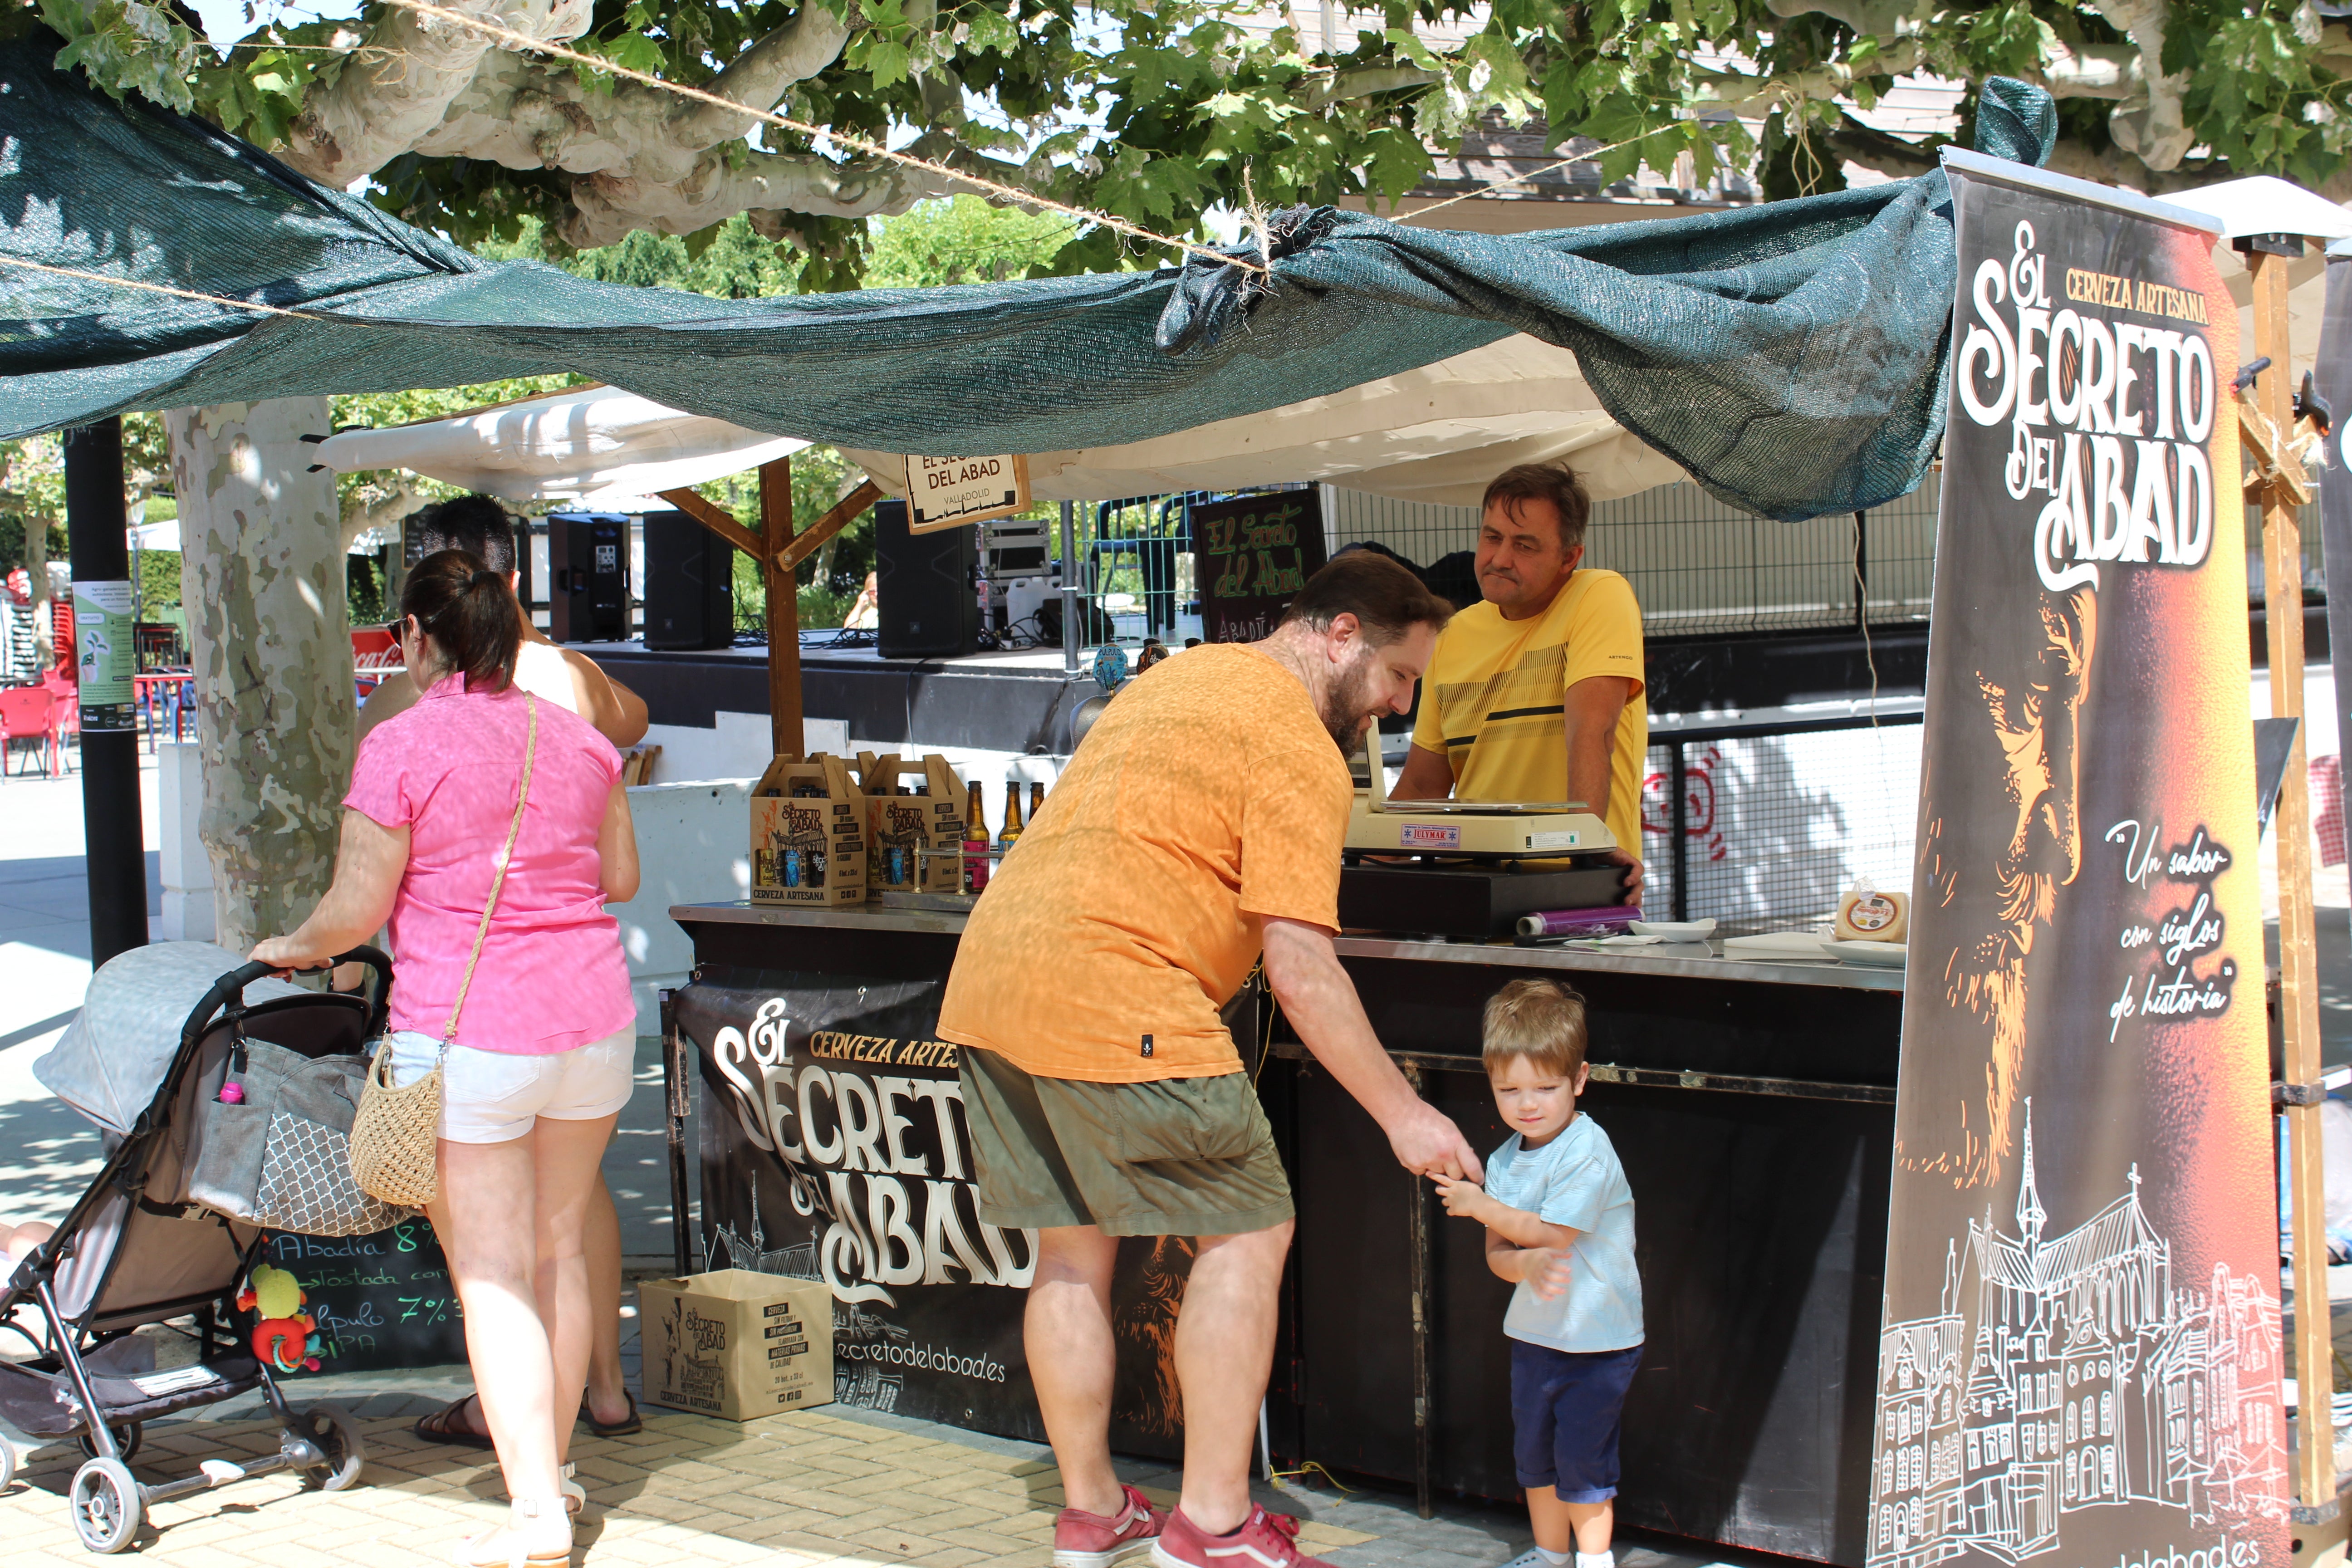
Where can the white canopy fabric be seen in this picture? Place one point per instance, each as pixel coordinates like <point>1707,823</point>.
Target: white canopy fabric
<point>1436,433</point>
<point>599,448</point>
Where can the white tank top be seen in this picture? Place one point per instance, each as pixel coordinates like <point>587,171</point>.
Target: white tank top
<point>541,671</point>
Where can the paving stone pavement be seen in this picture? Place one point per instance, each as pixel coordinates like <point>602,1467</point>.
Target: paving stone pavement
<point>834,1486</point>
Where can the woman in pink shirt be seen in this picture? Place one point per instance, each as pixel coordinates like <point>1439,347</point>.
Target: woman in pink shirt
<point>540,1065</point>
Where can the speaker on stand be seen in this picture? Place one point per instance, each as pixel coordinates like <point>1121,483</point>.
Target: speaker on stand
<point>588,577</point>
<point>928,605</point>
<point>690,585</point>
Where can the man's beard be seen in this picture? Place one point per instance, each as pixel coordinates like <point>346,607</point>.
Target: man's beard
<point>1344,710</point>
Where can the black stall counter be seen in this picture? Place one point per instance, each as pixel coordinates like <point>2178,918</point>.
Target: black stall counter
<point>1751,1102</point>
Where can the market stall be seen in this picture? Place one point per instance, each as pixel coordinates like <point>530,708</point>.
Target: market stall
<point>1752,1103</point>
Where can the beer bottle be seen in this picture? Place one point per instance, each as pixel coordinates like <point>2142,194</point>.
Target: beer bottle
<point>1036,798</point>
<point>975,840</point>
<point>1010,833</point>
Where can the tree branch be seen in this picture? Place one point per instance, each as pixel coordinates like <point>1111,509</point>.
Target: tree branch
<point>761,75</point>
<point>607,207</point>
<point>394,91</point>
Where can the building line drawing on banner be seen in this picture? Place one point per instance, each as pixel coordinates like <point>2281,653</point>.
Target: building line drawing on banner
<point>2088,1380</point>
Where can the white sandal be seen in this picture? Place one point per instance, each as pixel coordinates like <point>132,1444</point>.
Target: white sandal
<point>576,1496</point>
<point>526,1541</point>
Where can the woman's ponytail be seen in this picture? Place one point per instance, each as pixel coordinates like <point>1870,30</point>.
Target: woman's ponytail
<point>471,615</point>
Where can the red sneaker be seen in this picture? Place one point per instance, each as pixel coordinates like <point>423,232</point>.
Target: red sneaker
<point>1264,1540</point>
<point>1083,1540</point>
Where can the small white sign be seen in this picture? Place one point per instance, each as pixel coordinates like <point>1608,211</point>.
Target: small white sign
<point>947,492</point>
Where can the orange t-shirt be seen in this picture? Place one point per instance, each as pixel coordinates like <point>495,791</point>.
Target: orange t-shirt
<point>1208,796</point>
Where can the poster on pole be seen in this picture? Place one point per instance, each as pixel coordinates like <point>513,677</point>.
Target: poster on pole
<point>2080,1359</point>
<point>105,654</point>
<point>834,1148</point>
<point>1251,556</point>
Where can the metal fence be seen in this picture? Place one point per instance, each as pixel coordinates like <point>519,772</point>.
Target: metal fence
<point>1761,826</point>
<point>1699,567</point>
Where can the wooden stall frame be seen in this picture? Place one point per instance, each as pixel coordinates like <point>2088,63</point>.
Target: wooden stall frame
<point>2318,1522</point>
<point>779,550</point>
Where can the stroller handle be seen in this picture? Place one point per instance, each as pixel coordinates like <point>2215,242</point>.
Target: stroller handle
<point>229,990</point>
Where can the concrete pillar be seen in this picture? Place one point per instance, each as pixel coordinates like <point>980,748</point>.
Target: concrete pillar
<point>187,870</point>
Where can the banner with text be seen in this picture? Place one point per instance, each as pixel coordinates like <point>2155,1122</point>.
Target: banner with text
<point>2080,1359</point>
<point>834,1148</point>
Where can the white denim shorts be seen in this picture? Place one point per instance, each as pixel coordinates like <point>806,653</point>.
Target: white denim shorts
<point>493,1097</point>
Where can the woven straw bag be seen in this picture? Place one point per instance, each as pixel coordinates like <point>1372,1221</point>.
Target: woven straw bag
<point>395,1137</point>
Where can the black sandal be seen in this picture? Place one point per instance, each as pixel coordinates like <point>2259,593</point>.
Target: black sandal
<point>448,1424</point>
<point>621,1428</point>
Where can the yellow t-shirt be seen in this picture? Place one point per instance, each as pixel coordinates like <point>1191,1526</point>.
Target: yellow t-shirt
<point>1206,798</point>
<point>1491,703</point>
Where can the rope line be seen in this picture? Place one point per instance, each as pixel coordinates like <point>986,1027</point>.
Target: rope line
<point>157,289</point>
<point>1027,198</point>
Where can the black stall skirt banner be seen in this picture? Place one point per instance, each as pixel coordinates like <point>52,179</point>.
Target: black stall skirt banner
<point>835,1147</point>
<point>2080,1361</point>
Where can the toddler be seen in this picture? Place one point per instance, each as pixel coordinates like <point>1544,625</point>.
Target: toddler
<point>1560,1222</point>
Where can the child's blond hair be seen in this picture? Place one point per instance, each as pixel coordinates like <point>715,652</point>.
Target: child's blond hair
<point>1541,1020</point>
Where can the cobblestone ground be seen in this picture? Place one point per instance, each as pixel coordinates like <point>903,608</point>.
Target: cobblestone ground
<point>828,1486</point>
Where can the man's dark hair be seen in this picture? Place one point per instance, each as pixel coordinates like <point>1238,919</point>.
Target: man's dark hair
<point>1554,482</point>
<point>477,524</point>
<point>1385,598</point>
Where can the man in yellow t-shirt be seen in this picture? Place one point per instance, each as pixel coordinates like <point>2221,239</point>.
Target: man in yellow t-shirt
<point>1536,693</point>
<point>1200,824</point>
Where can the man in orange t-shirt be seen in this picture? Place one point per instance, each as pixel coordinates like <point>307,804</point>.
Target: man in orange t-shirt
<point>1200,824</point>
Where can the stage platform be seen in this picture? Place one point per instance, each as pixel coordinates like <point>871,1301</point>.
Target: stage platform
<point>1017,701</point>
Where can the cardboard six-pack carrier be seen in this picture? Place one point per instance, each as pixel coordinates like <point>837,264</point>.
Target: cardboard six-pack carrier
<point>915,842</point>
<point>736,1344</point>
<point>808,834</point>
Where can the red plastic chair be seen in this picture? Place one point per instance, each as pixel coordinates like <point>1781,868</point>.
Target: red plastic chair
<point>28,713</point>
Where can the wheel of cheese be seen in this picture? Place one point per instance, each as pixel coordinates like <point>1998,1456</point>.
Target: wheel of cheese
<point>1872,916</point>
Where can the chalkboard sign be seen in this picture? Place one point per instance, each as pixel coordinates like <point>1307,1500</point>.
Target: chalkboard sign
<point>1250,556</point>
<point>380,1300</point>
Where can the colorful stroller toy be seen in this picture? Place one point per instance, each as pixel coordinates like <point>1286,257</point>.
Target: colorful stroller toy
<point>148,1053</point>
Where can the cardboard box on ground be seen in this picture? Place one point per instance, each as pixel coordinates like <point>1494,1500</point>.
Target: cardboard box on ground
<point>808,834</point>
<point>736,1344</point>
<point>915,841</point>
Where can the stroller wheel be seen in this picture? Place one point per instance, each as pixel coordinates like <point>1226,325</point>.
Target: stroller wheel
<point>126,1442</point>
<point>337,1436</point>
<point>107,1507</point>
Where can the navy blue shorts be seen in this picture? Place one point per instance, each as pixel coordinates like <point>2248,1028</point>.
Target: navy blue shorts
<point>1564,1417</point>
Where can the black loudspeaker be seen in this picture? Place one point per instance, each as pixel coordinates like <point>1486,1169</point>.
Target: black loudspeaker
<point>588,577</point>
<point>928,605</point>
<point>689,584</point>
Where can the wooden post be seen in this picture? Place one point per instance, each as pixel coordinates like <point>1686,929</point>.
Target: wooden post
<point>2314,1362</point>
<point>783,608</point>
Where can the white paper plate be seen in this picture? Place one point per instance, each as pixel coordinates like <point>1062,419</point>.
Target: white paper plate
<point>1878,954</point>
<point>1674,931</point>
<point>1775,945</point>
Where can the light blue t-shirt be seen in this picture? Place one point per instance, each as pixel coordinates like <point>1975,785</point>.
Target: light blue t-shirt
<point>1575,1181</point>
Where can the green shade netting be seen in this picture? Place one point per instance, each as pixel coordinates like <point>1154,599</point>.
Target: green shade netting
<point>1791,356</point>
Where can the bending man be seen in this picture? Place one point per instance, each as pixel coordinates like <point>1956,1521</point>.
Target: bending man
<point>1200,824</point>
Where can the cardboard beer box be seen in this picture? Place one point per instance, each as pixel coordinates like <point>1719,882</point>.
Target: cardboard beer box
<point>808,834</point>
<point>736,1344</point>
<point>899,827</point>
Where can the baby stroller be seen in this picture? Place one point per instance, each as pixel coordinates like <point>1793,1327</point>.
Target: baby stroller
<point>146,1057</point>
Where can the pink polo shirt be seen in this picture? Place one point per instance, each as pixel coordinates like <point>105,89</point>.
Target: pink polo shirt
<point>552,976</point>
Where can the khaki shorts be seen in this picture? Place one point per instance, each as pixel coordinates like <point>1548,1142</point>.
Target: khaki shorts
<point>1186,1156</point>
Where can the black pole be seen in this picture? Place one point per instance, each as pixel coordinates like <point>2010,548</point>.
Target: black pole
<point>104,659</point>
